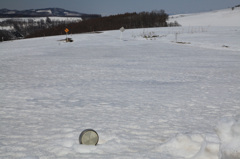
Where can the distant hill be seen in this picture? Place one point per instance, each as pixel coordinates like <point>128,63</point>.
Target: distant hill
<point>57,12</point>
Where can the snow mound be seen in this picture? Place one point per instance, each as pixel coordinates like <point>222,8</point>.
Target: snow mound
<point>194,146</point>
<point>225,17</point>
<point>198,146</point>
<point>228,130</point>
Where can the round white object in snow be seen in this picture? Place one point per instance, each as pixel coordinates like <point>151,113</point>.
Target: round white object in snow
<point>89,137</point>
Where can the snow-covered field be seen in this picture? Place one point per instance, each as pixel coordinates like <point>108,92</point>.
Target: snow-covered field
<point>146,98</point>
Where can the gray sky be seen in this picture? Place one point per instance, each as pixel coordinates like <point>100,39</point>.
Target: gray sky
<point>107,7</point>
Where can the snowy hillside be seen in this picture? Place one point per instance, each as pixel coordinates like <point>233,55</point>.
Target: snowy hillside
<point>225,17</point>
<point>38,19</point>
<point>159,93</point>
<point>15,28</point>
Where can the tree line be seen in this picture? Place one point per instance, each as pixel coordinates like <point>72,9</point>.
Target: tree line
<point>113,22</point>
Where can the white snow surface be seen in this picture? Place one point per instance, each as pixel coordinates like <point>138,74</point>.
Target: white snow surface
<point>146,98</point>
<point>6,28</point>
<point>48,11</point>
<point>228,130</point>
<point>71,14</point>
<point>225,17</point>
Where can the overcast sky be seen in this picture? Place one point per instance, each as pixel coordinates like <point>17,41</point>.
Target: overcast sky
<point>107,7</point>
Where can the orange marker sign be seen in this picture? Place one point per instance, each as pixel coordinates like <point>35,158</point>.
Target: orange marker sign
<point>66,30</point>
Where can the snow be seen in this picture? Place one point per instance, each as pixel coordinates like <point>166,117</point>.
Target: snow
<point>71,14</point>
<point>225,17</point>
<point>146,98</point>
<point>228,130</point>
<point>10,12</point>
<point>7,28</point>
<point>47,11</point>
<point>68,19</point>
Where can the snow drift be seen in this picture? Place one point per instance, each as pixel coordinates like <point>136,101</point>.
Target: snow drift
<point>206,146</point>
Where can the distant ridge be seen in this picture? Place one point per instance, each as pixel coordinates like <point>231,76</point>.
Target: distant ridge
<point>58,12</point>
